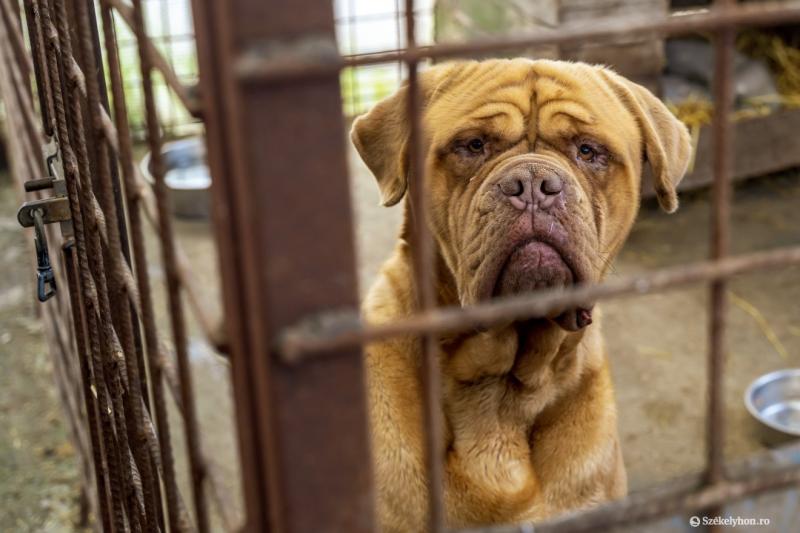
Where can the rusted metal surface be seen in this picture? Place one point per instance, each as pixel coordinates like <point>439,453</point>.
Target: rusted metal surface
<point>133,198</point>
<point>213,32</point>
<point>99,364</point>
<point>177,320</point>
<point>307,434</point>
<point>424,267</point>
<point>106,423</point>
<point>724,42</point>
<point>98,450</point>
<point>53,210</point>
<point>337,330</point>
<point>124,321</point>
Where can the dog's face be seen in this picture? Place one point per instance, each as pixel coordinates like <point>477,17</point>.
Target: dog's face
<point>533,169</point>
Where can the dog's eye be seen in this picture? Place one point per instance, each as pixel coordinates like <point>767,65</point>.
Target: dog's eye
<point>586,152</point>
<point>475,145</point>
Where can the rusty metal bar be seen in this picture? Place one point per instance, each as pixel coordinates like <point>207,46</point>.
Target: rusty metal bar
<point>115,361</point>
<point>424,266</point>
<point>217,493</point>
<point>213,30</point>
<point>133,204</point>
<point>143,191</point>
<point>99,454</point>
<point>58,82</point>
<point>724,42</point>
<point>43,83</point>
<point>25,152</point>
<point>157,60</point>
<point>32,138</point>
<point>71,79</point>
<point>305,447</point>
<point>120,310</point>
<point>22,61</point>
<point>177,320</point>
<point>20,74</point>
<point>253,66</point>
<point>337,330</point>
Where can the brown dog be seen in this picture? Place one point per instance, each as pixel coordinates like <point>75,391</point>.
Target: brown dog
<point>533,173</point>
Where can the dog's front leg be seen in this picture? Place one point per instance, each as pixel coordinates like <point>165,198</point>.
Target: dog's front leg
<point>488,457</point>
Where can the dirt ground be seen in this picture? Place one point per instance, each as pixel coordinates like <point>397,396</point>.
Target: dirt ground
<point>657,347</point>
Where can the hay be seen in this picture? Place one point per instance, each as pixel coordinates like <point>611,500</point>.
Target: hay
<point>762,323</point>
<point>784,62</point>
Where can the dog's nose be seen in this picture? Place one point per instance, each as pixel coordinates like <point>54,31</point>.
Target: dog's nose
<point>550,185</point>
<point>523,188</point>
<point>513,186</point>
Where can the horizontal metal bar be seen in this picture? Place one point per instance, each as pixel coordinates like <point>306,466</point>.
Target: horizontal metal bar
<point>340,329</point>
<point>253,67</point>
<point>684,495</point>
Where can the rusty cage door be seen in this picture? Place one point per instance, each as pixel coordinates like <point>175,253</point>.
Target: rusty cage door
<point>73,152</point>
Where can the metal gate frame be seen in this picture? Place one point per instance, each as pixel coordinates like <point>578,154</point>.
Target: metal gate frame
<point>274,79</point>
<point>110,365</point>
<point>284,232</point>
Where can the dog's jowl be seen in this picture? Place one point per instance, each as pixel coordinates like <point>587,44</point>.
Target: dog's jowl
<point>533,175</point>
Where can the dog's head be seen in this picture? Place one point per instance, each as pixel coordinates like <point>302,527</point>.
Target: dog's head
<point>533,169</point>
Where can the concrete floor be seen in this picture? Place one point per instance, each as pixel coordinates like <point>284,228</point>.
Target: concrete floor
<point>657,346</point>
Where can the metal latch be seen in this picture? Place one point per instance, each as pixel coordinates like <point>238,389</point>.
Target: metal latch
<point>37,213</point>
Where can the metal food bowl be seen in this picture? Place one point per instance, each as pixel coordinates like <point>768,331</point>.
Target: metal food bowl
<point>186,175</point>
<point>774,401</point>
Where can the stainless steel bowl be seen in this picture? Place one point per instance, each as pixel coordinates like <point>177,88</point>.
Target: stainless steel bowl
<point>774,401</point>
<point>186,176</point>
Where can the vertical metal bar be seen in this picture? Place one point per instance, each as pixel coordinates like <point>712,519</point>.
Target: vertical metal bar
<point>213,47</point>
<point>31,140</point>
<point>43,88</point>
<point>109,363</point>
<point>355,101</point>
<point>308,432</point>
<point>177,320</point>
<point>398,28</point>
<point>120,308</point>
<point>116,186</point>
<point>55,71</point>
<point>720,237</point>
<point>424,267</point>
<point>99,454</point>
<point>724,41</point>
<point>177,522</point>
<point>19,67</point>
<point>113,357</point>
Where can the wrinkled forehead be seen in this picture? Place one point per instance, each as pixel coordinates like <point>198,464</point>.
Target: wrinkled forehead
<point>521,97</point>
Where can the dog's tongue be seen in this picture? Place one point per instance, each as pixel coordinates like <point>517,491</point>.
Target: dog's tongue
<point>575,319</point>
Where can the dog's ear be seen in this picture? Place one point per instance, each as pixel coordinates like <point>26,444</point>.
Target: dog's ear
<point>382,135</point>
<point>381,138</point>
<point>667,143</point>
